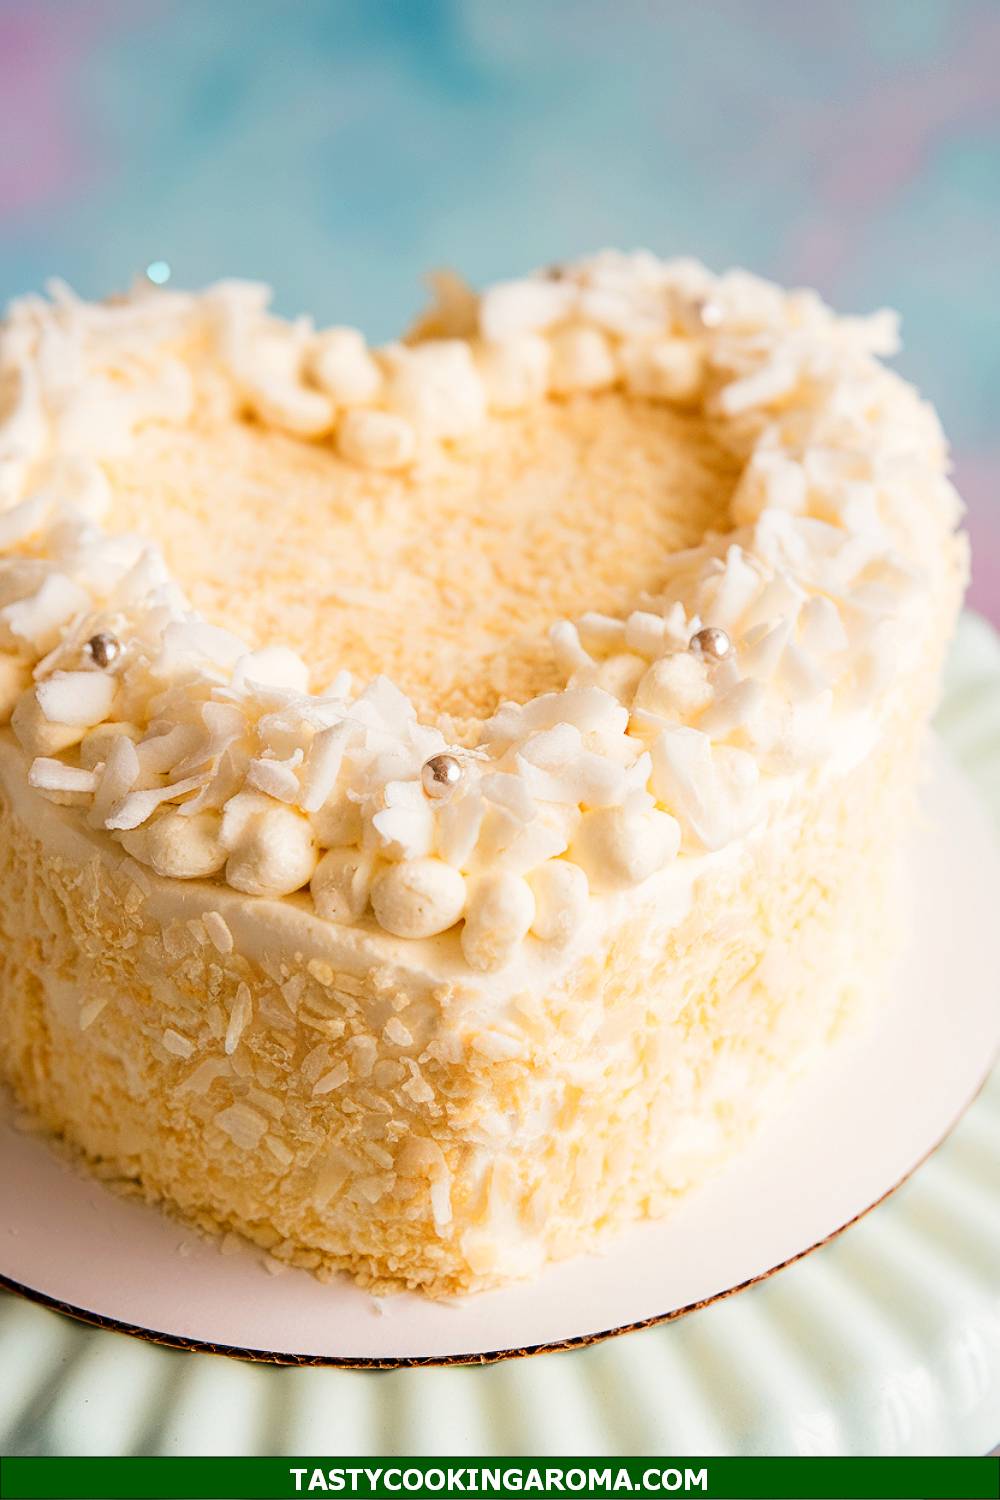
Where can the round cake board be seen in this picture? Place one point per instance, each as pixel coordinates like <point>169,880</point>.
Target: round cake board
<point>854,1130</point>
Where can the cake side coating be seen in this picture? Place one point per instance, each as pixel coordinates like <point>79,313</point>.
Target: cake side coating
<point>413,1127</point>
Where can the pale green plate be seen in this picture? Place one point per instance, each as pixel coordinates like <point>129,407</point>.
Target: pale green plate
<point>885,1341</point>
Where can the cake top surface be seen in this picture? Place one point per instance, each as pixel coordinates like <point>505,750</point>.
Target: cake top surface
<point>577,580</point>
<point>446,576</point>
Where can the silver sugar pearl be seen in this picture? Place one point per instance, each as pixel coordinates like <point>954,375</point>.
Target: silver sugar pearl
<point>711,642</point>
<point>440,775</point>
<point>103,648</point>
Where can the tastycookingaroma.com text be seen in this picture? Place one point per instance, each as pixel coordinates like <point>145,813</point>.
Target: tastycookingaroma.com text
<point>474,1480</point>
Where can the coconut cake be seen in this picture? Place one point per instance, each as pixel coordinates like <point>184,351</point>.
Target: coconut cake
<point>450,789</point>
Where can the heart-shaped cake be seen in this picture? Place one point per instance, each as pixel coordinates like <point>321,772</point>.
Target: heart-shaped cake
<point>451,788</point>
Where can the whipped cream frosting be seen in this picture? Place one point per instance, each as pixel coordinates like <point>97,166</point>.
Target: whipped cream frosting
<point>206,760</point>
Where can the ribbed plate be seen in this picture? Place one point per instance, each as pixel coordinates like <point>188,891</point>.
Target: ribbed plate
<point>886,1341</point>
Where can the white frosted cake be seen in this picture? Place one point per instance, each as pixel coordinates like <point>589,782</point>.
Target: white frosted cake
<point>450,789</point>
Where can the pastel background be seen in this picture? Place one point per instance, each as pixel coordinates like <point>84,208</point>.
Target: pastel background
<point>338,148</point>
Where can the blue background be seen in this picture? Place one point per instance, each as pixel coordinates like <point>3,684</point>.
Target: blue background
<point>340,148</point>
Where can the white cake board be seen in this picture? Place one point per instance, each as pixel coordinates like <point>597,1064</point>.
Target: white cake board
<point>865,1119</point>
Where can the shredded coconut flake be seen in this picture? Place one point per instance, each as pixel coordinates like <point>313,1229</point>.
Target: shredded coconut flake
<point>396,1033</point>
<point>218,931</point>
<point>243,1125</point>
<point>180,1046</point>
<point>54,776</point>
<point>239,1018</point>
<point>83,698</point>
<point>279,1150</point>
<point>332,1080</point>
<point>90,1012</point>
